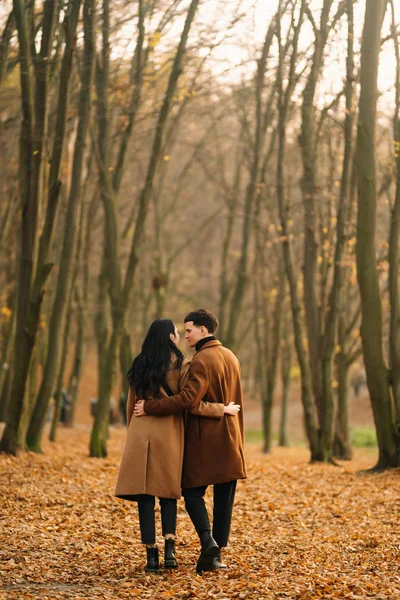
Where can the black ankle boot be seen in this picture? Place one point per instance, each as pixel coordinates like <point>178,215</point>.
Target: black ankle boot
<point>152,560</point>
<point>170,561</point>
<point>218,563</point>
<point>209,549</point>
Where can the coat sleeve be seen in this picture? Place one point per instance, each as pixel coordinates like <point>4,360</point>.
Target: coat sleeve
<point>190,396</point>
<point>241,419</point>
<point>203,409</point>
<point>214,410</point>
<point>241,413</point>
<point>129,405</point>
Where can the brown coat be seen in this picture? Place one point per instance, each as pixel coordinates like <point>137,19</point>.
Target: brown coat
<point>213,448</point>
<point>152,459</point>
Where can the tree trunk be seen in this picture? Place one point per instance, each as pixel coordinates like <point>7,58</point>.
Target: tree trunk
<point>75,377</point>
<point>342,442</point>
<point>60,377</point>
<point>371,322</point>
<point>232,209</point>
<point>82,294</point>
<point>261,334</point>
<point>5,44</point>
<point>306,381</point>
<point>5,366</point>
<point>125,358</point>
<point>273,360</point>
<point>110,276</point>
<point>394,241</point>
<point>327,404</point>
<point>32,141</point>
<point>64,283</point>
<point>241,274</point>
<point>7,218</point>
<point>308,144</point>
<point>161,272</point>
<point>286,364</point>
<point>31,390</point>
<point>119,296</point>
<point>5,394</point>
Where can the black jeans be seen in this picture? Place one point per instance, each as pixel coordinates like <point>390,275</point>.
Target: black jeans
<point>224,496</point>
<point>147,518</point>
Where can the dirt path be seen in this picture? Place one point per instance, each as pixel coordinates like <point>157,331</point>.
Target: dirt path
<point>300,531</point>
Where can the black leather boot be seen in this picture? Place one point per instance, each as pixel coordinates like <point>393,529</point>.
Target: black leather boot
<point>170,561</point>
<point>209,549</point>
<point>152,560</point>
<point>218,562</point>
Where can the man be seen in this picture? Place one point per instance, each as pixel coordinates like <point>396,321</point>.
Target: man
<point>213,447</point>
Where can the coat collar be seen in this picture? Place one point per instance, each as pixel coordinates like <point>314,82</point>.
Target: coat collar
<point>210,344</point>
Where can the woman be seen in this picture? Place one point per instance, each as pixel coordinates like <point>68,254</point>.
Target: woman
<point>152,460</point>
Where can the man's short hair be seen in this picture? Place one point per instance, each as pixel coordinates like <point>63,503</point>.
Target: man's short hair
<point>204,317</point>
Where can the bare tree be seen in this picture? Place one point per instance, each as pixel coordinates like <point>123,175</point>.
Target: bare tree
<point>65,279</point>
<point>308,144</point>
<point>286,364</point>
<point>5,45</point>
<point>120,291</point>
<point>371,321</point>
<point>33,272</point>
<point>331,322</point>
<point>394,239</point>
<point>239,283</point>
<point>306,380</point>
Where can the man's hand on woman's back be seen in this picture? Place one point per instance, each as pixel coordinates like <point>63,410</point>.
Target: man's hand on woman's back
<point>231,409</point>
<point>138,409</point>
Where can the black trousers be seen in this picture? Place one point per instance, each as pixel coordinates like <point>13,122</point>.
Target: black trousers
<point>147,518</point>
<point>224,496</point>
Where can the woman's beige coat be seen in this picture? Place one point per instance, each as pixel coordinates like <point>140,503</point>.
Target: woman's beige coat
<point>153,455</point>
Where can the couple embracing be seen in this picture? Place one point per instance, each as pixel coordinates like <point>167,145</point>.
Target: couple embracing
<point>185,431</point>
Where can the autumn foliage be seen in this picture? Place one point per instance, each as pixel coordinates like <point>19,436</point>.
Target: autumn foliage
<point>300,530</point>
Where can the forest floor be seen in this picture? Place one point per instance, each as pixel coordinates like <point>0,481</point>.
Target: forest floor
<point>299,530</point>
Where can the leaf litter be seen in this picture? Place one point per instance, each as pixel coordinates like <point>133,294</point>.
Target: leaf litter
<point>299,531</point>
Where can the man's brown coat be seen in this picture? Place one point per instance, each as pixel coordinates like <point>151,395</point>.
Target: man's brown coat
<point>213,447</point>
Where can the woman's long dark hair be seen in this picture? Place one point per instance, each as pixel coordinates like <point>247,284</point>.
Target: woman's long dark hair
<point>149,368</point>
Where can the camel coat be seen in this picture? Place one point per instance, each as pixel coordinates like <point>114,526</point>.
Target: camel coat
<point>213,447</point>
<point>153,455</point>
